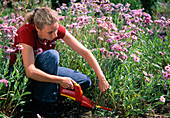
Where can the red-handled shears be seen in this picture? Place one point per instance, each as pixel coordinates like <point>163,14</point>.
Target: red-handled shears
<point>77,95</point>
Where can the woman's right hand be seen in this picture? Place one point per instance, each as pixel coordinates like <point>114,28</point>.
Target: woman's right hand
<point>67,82</point>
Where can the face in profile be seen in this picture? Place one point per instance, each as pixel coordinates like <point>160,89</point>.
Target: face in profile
<point>48,32</point>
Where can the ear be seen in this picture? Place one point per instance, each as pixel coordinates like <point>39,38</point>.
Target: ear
<point>37,28</point>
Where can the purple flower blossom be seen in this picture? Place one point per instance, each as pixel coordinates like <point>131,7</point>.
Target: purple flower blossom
<point>137,52</point>
<point>4,81</point>
<point>109,40</point>
<point>147,79</point>
<point>167,68</point>
<point>166,87</point>
<point>10,50</point>
<point>123,55</point>
<point>134,37</point>
<point>118,5</point>
<point>162,99</point>
<point>116,47</point>
<point>150,75</point>
<point>145,73</point>
<point>61,17</point>
<point>92,30</point>
<point>38,51</point>
<point>58,10</point>
<point>100,38</point>
<point>136,59</point>
<point>110,54</point>
<point>163,18</point>
<point>168,22</point>
<point>19,47</point>
<point>133,55</point>
<point>124,49</point>
<point>64,6</point>
<point>159,21</point>
<point>127,35</point>
<point>165,75</point>
<point>102,49</point>
<point>161,53</point>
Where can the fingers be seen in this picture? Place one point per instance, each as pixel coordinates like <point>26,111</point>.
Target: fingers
<point>104,86</point>
<point>71,84</point>
<point>68,83</point>
<point>73,81</point>
<point>104,89</point>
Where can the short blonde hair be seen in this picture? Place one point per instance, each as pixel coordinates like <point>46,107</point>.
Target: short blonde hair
<point>42,16</point>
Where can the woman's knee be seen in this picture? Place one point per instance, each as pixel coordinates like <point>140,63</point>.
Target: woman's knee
<point>48,61</point>
<point>51,53</point>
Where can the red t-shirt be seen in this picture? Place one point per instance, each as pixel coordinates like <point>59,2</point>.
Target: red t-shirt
<point>27,34</point>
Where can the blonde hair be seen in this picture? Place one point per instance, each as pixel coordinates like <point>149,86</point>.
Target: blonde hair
<point>42,16</point>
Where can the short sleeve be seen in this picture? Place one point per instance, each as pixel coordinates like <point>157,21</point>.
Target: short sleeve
<point>26,35</point>
<point>61,32</point>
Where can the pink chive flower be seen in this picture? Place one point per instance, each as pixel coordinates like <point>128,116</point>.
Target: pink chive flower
<point>38,51</point>
<point>136,59</point>
<point>58,10</point>
<point>162,99</point>
<point>61,18</point>
<point>110,54</point>
<point>124,49</point>
<point>137,52</point>
<point>102,49</point>
<point>147,79</point>
<point>163,18</point>
<point>145,73</point>
<point>133,55</point>
<point>124,56</point>
<point>92,31</point>
<point>168,72</point>
<point>165,75</point>
<point>127,35</point>
<point>166,87</point>
<point>134,37</point>
<point>161,53</point>
<point>150,75</point>
<point>10,50</point>
<point>128,44</point>
<point>19,47</point>
<point>109,40</point>
<point>100,38</point>
<point>117,38</point>
<point>117,54</point>
<point>4,81</point>
<point>167,68</point>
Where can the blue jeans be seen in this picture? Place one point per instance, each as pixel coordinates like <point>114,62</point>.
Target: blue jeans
<point>48,62</point>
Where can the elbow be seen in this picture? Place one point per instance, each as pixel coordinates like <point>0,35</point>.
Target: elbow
<point>86,53</point>
<point>29,72</point>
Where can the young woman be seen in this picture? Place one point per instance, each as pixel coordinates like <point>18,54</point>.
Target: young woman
<point>39,34</point>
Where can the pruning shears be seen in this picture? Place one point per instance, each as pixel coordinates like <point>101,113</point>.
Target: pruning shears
<point>77,95</point>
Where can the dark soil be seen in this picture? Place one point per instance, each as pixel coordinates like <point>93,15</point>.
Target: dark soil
<point>72,109</point>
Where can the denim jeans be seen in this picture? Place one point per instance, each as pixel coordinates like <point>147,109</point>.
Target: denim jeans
<point>48,62</point>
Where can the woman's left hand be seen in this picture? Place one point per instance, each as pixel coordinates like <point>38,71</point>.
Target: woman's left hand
<point>103,85</point>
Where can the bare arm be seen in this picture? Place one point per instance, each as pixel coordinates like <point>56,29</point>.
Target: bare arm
<point>38,75</point>
<point>88,56</point>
